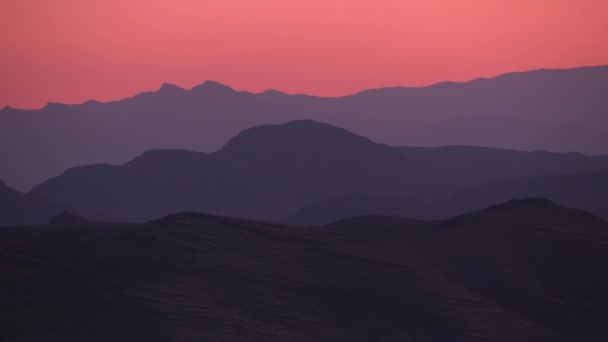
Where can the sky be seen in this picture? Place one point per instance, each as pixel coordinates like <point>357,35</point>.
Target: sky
<point>71,51</point>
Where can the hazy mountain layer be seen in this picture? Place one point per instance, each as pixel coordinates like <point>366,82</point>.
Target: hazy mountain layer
<point>350,205</point>
<point>555,110</point>
<point>17,208</point>
<point>588,191</point>
<point>584,191</point>
<point>269,172</point>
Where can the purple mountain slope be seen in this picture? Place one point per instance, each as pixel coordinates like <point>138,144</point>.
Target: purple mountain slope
<point>583,191</point>
<point>268,172</point>
<point>587,191</point>
<point>526,270</point>
<point>555,110</point>
<point>17,208</point>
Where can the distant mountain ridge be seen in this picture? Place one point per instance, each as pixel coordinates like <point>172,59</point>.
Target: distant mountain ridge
<point>269,172</point>
<point>554,110</point>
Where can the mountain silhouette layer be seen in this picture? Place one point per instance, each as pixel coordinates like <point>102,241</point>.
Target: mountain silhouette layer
<point>17,208</point>
<point>585,191</point>
<point>523,270</point>
<point>350,205</point>
<point>269,172</point>
<point>554,110</point>
<point>588,191</point>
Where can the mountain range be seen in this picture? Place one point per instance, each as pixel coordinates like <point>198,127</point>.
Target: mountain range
<point>553,110</point>
<point>453,212</point>
<point>269,172</point>
<point>524,270</point>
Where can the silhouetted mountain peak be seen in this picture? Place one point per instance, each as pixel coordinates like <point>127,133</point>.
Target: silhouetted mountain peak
<point>307,124</point>
<point>54,105</point>
<point>212,86</point>
<point>273,92</point>
<point>171,88</point>
<point>291,137</point>
<point>68,219</point>
<point>537,206</point>
<point>531,202</point>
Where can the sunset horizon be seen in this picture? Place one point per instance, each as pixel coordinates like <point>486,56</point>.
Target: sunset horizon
<point>70,52</point>
<point>190,88</point>
<point>304,170</point>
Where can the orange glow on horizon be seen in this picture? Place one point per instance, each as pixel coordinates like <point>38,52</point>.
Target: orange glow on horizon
<point>73,50</point>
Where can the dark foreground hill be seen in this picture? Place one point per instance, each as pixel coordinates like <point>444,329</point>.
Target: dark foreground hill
<point>526,270</point>
<point>554,110</point>
<point>584,191</point>
<point>587,191</point>
<point>17,208</point>
<point>357,204</point>
<point>268,172</point>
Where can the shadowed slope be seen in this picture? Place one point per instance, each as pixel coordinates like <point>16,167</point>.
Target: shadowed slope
<point>314,160</point>
<point>585,191</point>
<point>350,205</point>
<point>265,172</point>
<point>472,164</point>
<point>20,209</point>
<point>524,270</point>
<point>268,172</point>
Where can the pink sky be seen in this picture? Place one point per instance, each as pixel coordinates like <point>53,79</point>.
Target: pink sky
<point>74,50</point>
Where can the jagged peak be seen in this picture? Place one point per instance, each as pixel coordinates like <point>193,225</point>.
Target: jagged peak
<point>212,86</point>
<point>166,87</point>
<point>51,105</point>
